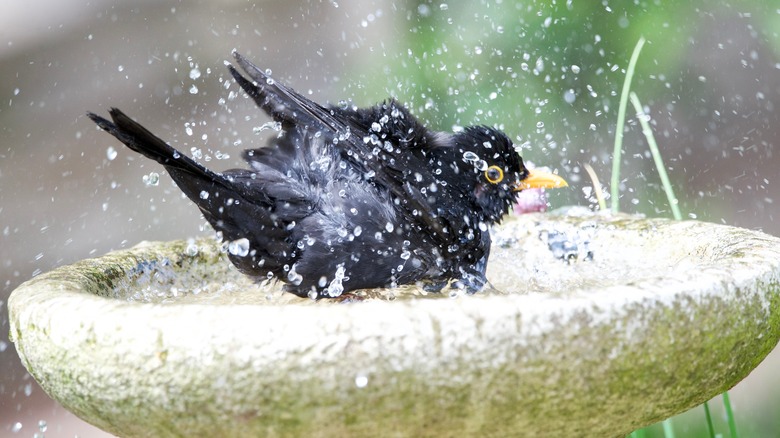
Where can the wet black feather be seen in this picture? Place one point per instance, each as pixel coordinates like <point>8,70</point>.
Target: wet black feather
<point>346,198</point>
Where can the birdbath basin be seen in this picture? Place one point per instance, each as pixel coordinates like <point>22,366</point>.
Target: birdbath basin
<point>596,325</point>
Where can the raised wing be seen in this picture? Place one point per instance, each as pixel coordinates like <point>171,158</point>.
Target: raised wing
<point>385,160</point>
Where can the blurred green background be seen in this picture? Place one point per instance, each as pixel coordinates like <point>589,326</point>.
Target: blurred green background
<point>547,72</point>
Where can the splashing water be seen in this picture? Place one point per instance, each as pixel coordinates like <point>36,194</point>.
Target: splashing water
<point>335,288</point>
<point>239,247</point>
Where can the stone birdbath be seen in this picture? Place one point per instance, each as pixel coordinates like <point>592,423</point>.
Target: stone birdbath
<point>597,325</point>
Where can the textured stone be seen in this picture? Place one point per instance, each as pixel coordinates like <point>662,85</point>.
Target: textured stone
<point>597,325</point>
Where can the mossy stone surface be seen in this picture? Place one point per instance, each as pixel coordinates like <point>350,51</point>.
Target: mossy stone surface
<point>596,325</point>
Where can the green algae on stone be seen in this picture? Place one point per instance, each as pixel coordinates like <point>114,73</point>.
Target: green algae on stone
<point>611,324</point>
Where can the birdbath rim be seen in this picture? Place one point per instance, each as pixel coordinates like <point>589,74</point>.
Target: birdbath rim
<point>301,366</point>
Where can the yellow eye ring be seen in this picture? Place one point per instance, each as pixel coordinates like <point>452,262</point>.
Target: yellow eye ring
<point>494,174</point>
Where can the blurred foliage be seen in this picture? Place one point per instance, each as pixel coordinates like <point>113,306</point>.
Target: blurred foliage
<point>549,74</point>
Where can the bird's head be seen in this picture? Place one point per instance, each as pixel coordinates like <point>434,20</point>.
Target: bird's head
<point>493,171</point>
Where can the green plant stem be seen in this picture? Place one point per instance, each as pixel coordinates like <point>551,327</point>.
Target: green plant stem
<point>708,416</point>
<point>730,416</point>
<point>668,430</point>
<point>659,164</point>
<point>616,154</point>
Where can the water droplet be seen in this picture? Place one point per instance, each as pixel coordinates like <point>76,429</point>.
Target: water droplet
<point>389,227</point>
<point>470,156</point>
<point>376,127</point>
<point>239,247</point>
<point>361,381</point>
<point>111,153</point>
<point>42,426</point>
<point>357,231</point>
<point>294,277</point>
<point>193,89</point>
<point>16,427</point>
<point>153,179</point>
<point>204,194</point>
<point>194,73</point>
<point>569,96</point>
<point>192,249</point>
<point>406,254</point>
<point>335,288</point>
<point>276,126</point>
<point>575,69</point>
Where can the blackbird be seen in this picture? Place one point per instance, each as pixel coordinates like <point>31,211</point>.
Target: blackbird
<point>346,198</point>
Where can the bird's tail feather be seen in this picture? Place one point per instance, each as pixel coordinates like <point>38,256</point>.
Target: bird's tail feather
<point>139,139</point>
<point>227,200</point>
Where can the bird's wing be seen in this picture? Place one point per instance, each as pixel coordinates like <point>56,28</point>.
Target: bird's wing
<point>389,167</point>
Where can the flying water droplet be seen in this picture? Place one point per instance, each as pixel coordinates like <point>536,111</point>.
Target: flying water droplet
<point>204,194</point>
<point>191,249</point>
<point>361,381</point>
<point>111,153</point>
<point>151,180</point>
<point>470,156</point>
<point>569,96</point>
<point>276,126</point>
<point>294,277</point>
<point>193,89</point>
<point>239,247</point>
<point>335,288</point>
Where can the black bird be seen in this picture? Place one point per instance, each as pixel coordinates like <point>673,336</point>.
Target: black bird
<point>348,198</point>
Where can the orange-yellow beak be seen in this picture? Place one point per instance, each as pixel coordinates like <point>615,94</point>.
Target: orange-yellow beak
<point>540,180</point>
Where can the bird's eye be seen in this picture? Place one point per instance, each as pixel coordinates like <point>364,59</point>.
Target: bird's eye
<point>494,174</point>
